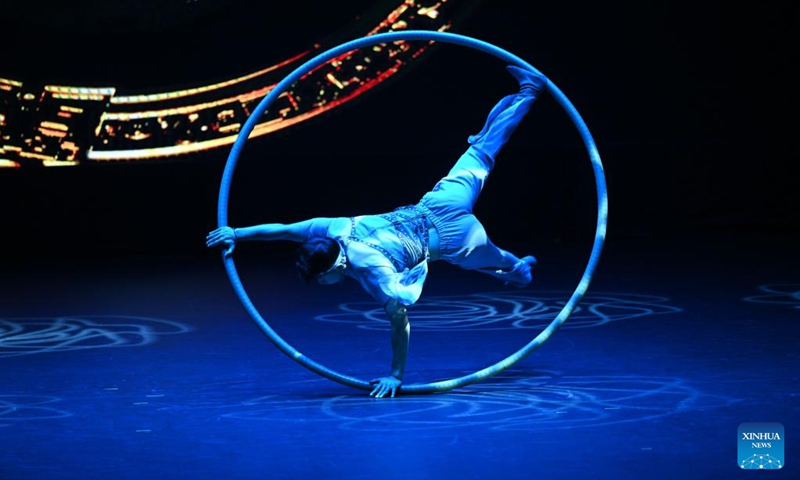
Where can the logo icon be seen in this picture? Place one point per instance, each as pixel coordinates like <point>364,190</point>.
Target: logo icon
<point>761,446</point>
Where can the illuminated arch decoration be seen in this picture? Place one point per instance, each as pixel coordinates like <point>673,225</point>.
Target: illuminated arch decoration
<point>72,125</point>
<point>416,35</point>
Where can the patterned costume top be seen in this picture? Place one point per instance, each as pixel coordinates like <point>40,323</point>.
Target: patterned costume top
<point>388,253</point>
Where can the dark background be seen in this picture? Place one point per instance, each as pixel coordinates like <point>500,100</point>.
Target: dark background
<point>691,105</point>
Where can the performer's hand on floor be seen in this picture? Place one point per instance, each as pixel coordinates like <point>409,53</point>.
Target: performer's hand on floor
<point>223,237</point>
<point>385,385</point>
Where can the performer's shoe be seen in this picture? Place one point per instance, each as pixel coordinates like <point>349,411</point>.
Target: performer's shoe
<point>531,261</point>
<point>522,269</point>
<point>530,82</point>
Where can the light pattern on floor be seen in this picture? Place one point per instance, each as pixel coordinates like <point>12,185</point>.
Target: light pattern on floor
<point>507,310</point>
<point>19,408</point>
<point>546,401</point>
<point>784,294</point>
<point>28,336</point>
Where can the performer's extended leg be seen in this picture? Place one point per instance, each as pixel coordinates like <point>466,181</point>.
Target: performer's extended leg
<point>482,255</point>
<point>506,115</point>
<point>463,240</point>
<point>462,185</point>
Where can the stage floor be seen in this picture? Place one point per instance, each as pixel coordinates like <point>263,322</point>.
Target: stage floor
<point>150,368</point>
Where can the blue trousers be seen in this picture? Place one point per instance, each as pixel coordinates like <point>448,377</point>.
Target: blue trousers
<point>463,239</point>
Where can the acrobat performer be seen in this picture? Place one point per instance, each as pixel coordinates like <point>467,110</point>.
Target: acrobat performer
<point>388,254</point>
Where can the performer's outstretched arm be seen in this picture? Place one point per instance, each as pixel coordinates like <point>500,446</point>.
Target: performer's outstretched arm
<point>401,330</point>
<point>293,232</point>
<point>227,237</point>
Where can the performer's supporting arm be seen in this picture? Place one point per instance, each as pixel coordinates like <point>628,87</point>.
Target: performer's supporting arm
<point>400,330</point>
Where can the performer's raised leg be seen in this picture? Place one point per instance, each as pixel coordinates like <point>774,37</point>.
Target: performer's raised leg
<point>463,240</point>
<point>462,185</point>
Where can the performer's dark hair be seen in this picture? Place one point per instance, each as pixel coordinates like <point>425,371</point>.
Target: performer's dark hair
<point>316,255</point>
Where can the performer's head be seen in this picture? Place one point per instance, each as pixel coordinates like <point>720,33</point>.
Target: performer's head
<point>321,259</point>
